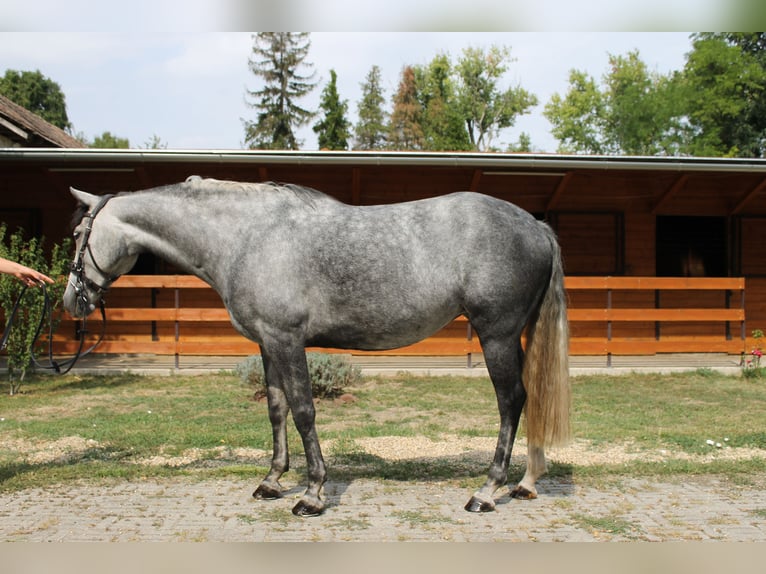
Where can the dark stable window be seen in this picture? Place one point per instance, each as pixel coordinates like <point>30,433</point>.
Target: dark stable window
<point>691,246</point>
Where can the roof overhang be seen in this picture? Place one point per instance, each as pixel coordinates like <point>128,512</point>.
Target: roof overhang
<point>497,162</point>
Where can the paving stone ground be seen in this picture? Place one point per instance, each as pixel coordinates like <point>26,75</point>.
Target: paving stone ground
<point>701,509</point>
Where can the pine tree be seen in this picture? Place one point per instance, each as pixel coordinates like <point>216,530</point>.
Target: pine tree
<point>333,128</point>
<point>444,127</point>
<point>405,130</point>
<point>370,130</point>
<point>277,58</point>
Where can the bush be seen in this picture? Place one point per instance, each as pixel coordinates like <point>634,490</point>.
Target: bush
<point>330,374</point>
<point>30,253</point>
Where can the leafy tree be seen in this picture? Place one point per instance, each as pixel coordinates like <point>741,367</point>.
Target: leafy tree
<point>643,109</point>
<point>333,129</point>
<point>370,130</point>
<point>107,140</point>
<point>443,125</point>
<point>405,130</point>
<point>277,58</point>
<point>578,117</point>
<point>30,253</point>
<point>724,87</point>
<point>633,112</point>
<point>155,142</point>
<point>38,94</point>
<point>522,145</point>
<point>485,107</point>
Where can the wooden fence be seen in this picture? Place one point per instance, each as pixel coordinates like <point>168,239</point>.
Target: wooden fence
<point>181,315</point>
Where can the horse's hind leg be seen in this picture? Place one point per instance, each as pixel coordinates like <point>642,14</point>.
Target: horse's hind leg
<point>503,358</point>
<point>526,490</point>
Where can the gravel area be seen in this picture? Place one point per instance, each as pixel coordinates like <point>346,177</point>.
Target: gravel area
<point>364,509</point>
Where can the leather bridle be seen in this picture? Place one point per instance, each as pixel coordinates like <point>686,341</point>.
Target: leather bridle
<point>81,282</point>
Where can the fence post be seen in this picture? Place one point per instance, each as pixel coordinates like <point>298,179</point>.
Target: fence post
<point>469,337</point>
<point>608,328</point>
<point>177,327</point>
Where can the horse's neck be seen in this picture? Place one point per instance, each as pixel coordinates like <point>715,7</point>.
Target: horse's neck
<point>180,232</point>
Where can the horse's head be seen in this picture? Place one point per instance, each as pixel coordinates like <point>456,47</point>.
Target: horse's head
<point>101,256</point>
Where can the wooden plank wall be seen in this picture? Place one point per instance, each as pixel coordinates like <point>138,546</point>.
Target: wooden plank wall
<point>179,314</point>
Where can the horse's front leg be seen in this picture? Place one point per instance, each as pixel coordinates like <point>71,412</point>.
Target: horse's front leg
<point>270,488</point>
<point>287,370</point>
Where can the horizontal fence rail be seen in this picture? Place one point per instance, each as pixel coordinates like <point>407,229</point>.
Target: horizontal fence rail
<point>181,315</point>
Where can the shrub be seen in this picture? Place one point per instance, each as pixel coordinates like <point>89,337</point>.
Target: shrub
<point>30,253</point>
<point>330,374</point>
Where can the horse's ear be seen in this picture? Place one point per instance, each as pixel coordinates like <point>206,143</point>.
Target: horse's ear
<point>83,197</point>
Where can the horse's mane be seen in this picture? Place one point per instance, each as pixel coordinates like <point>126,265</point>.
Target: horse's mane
<point>308,195</point>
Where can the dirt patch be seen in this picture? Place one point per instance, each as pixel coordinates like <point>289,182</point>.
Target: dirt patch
<point>481,449</point>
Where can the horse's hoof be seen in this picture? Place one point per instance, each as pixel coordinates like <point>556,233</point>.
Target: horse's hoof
<point>307,510</point>
<point>476,505</point>
<point>523,494</point>
<point>266,492</point>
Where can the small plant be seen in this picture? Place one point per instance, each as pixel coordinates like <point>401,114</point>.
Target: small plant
<point>751,368</point>
<point>330,374</point>
<point>30,253</point>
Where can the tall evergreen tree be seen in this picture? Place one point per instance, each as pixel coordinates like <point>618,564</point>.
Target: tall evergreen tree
<point>37,93</point>
<point>444,128</point>
<point>405,130</point>
<point>333,129</point>
<point>277,58</point>
<point>370,132</point>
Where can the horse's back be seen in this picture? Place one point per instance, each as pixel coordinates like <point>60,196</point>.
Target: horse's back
<point>384,276</point>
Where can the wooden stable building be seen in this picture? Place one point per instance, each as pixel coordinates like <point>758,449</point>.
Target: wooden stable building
<point>661,254</point>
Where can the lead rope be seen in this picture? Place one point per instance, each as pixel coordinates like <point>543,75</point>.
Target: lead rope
<point>53,365</point>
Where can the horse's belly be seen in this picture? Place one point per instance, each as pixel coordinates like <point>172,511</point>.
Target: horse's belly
<point>376,335</point>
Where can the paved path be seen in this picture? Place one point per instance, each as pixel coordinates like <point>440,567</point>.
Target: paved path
<point>703,508</point>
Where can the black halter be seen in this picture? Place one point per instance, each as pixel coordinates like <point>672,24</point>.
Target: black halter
<point>78,265</point>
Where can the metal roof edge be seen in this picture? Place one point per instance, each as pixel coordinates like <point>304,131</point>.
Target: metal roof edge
<point>508,161</point>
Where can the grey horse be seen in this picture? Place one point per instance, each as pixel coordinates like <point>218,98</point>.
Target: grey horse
<point>295,268</point>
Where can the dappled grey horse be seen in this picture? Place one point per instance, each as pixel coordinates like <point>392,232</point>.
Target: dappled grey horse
<point>296,268</point>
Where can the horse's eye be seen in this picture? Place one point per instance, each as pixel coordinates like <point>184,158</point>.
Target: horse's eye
<point>76,235</point>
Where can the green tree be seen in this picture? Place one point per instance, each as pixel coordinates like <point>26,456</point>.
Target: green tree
<point>38,94</point>
<point>370,130</point>
<point>277,58</point>
<point>633,112</point>
<point>643,111</point>
<point>578,118</point>
<point>107,140</point>
<point>333,129</point>
<point>444,128</point>
<point>30,253</point>
<point>155,142</point>
<point>405,129</point>
<point>724,87</point>
<point>485,107</point>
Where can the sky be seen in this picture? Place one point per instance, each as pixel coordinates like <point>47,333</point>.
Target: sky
<point>188,88</point>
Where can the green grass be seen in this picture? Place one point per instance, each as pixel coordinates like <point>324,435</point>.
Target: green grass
<point>124,419</point>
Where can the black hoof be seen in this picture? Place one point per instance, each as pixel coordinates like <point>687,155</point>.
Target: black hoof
<point>306,510</point>
<point>265,492</point>
<point>476,505</point>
